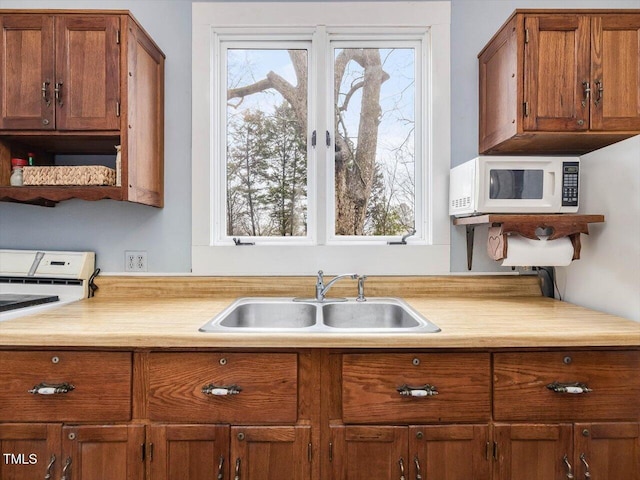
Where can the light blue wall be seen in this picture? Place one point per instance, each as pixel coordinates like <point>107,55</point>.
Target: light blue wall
<point>110,228</point>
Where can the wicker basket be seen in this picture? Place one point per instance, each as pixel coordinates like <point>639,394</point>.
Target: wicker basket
<point>79,175</point>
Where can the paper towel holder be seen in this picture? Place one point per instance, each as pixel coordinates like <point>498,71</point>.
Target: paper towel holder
<point>502,225</point>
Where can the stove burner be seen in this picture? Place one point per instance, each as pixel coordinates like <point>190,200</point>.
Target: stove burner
<point>9,301</point>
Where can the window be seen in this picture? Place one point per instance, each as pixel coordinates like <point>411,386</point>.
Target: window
<point>314,140</point>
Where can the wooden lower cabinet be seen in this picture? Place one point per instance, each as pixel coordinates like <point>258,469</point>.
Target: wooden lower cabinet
<point>206,452</point>
<point>560,451</point>
<point>87,452</point>
<point>454,452</point>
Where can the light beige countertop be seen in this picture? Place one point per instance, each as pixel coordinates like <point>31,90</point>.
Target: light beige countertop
<point>503,318</point>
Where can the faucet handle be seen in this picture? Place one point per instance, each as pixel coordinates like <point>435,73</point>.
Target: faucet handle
<point>361,297</point>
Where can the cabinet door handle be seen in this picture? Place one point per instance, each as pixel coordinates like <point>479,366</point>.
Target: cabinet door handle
<point>401,463</point>
<point>220,391</point>
<point>599,89</point>
<point>45,93</point>
<point>586,89</point>
<point>58,92</point>
<point>418,469</point>
<point>51,388</point>
<point>565,459</point>
<point>237,475</point>
<point>66,475</point>
<point>587,474</point>
<point>421,391</point>
<point>47,473</point>
<point>220,466</point>
<point>574,388</point>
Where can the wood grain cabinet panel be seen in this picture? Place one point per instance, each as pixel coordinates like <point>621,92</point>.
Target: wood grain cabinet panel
<point>267,387</point>
<point>371,383</point>
<point>32,451</point>
<point>560,81</point>
<point>100,381</point>
<point>196,452</point>
<point>522,386</point>
<point>607,450</point>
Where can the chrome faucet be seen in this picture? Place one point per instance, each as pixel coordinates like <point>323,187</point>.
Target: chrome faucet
<point>322,289</point>
<point>361,297</point>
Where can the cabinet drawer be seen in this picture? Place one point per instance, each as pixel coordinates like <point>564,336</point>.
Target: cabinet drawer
<point>266,387</point>
<point>370,384</point>
<point>99,386</point>
<point>522,386</point>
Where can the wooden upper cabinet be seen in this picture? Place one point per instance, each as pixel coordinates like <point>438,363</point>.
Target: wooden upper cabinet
<point>80,82</point>
<point>560,82</point>
<point>87,85</point>
<point>615,72</point>
<point>26,72</point>
<point>60,72</point>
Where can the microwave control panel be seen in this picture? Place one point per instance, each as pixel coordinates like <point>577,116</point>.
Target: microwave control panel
<point>570,175</point>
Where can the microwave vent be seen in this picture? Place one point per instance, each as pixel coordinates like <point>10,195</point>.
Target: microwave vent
<point>461,202</point>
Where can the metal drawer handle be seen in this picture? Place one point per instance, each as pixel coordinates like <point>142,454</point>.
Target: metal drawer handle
<point>587,474</point>
<point>51,388</point>
<point>47,474</point>
<point>418,469</point>
<point>58,92</point>
<point>45,93</point>
<point>586,88</point>
<point>575,388</point>
<point>221,391</point>
<point>599,89</point>
<point>565,459</point>
<point>237,475</point>
<point>65,469</point>
<point>401,463</point>
<point>220,469</point>
<point>421,391</point>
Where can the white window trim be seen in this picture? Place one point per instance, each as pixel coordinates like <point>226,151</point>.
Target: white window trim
<point>431,257</point>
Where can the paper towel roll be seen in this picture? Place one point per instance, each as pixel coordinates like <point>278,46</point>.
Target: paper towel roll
<point>523,252</point>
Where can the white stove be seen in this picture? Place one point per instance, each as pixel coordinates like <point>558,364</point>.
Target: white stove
<point>33,281</point>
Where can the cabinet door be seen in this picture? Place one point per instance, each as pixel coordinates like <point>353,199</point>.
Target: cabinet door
<point>26,68</point>
<point>608,450</point>
<point>556,73</point>
<point>112,452</point>
<point>29,451</point>
<point>615,50</point>
<point>454,452</point>
<point>87,72</point>
<point>362,453</point>
<point>196,452</point>
<point>534,452</point>
<point>271,453</point>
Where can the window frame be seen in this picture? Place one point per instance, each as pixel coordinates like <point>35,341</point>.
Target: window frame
<point>213,22</point>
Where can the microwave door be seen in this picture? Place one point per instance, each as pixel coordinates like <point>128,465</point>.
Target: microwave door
<point>518,190</point>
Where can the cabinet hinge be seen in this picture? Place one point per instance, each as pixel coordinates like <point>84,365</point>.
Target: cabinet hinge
<point>330,452</point>
<point>526,35</point>
<point>309,452</point>
<point>117,109</point>
<point>117,37</point>
<point>526,109</point>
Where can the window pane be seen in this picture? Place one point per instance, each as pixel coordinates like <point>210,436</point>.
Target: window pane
<point>374,99</point>
<point>266,142</point>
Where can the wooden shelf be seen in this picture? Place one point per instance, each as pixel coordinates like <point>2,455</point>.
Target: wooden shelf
<point>502,225</point>
<point>49,195</point>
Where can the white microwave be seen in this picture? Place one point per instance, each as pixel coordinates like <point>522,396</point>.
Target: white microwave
<point>515,185</point>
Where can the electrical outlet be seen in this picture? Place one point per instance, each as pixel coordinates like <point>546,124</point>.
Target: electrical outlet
<point>135,261</point>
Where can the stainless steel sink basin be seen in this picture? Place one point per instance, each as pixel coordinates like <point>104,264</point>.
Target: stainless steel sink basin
<point>264,314</point>
<point>376,315</point>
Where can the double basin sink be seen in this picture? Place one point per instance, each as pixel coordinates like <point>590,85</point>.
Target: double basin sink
<point>375,315</point>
